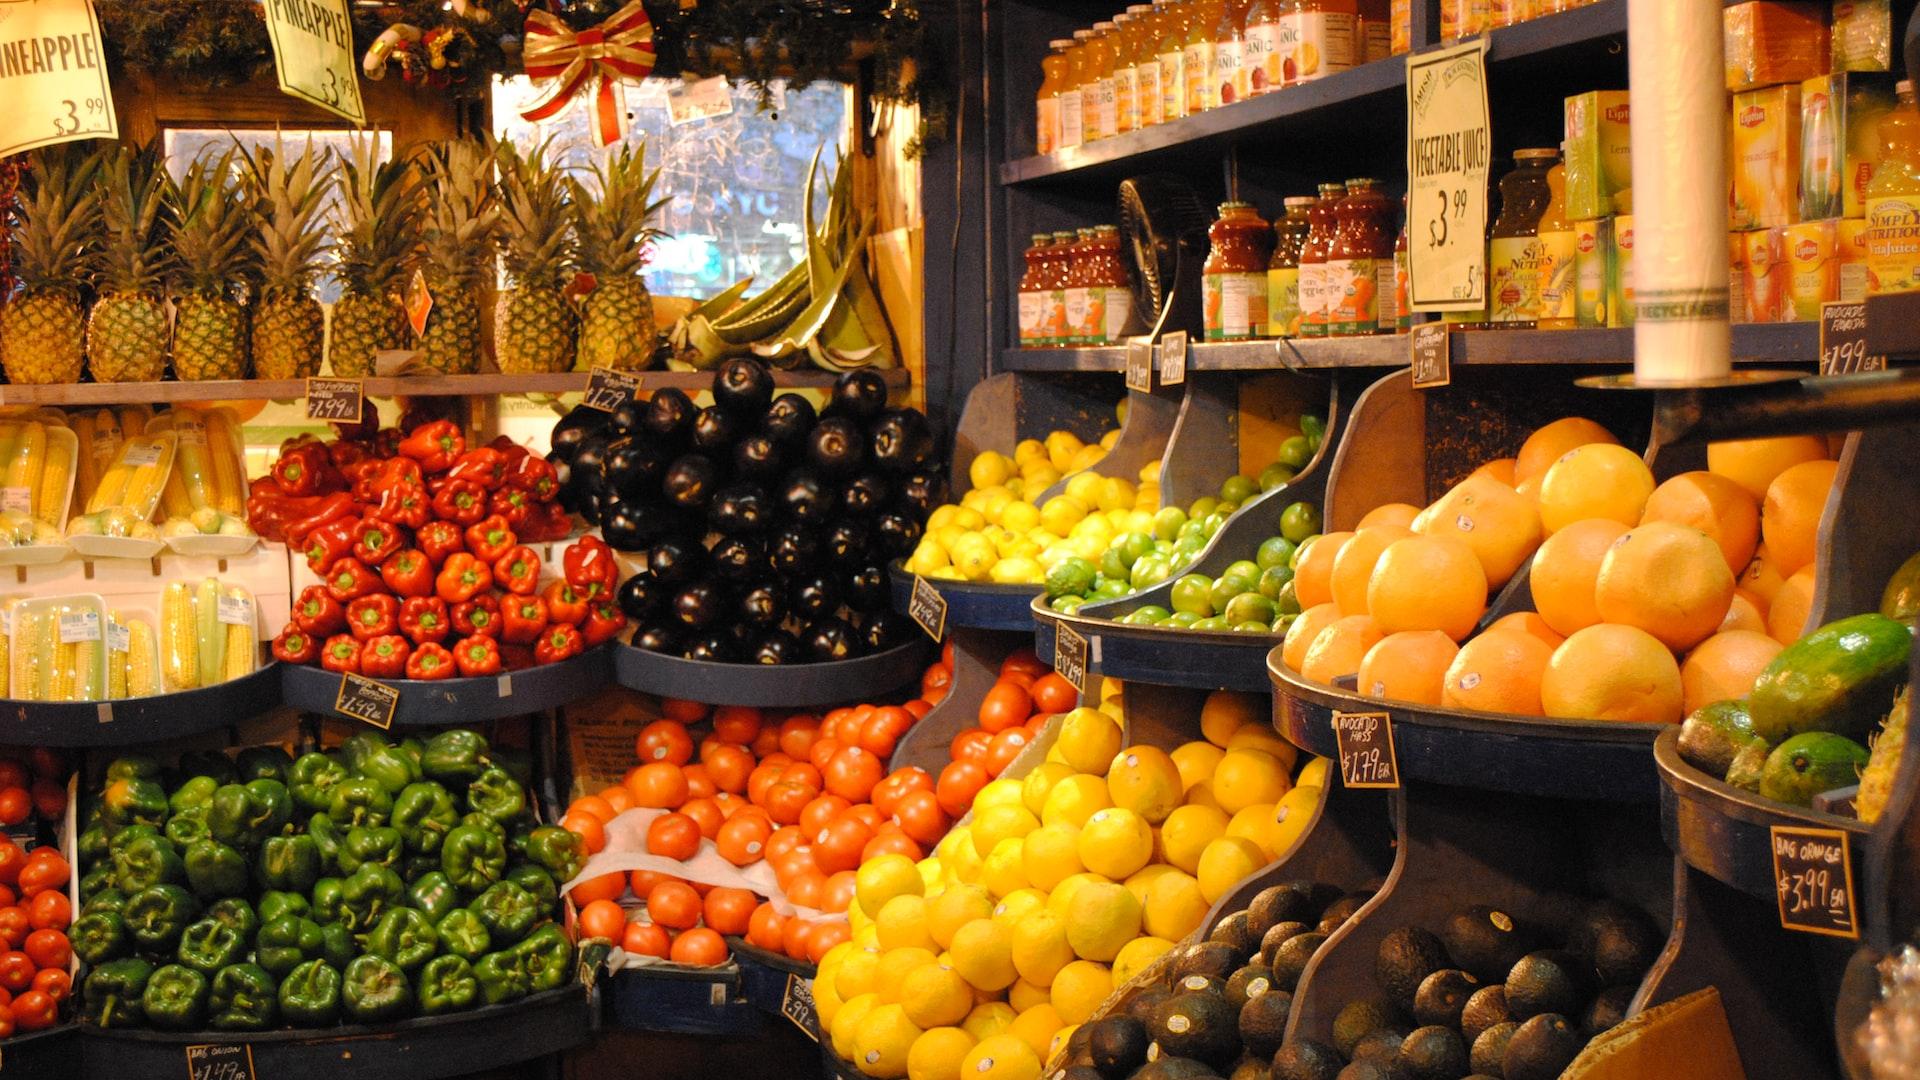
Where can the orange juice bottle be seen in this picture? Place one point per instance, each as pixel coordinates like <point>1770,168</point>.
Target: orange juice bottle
<point>1198,55</point>
<point>1317,38</point>
<point>1229,67</point>
<point>1893,200</point>
<point>1170,49</point>
<point>1146,64</point>
<point>1126,66</point>
<point>1096,103</point>
<point>1559,247</point>
<point>1055,66</point>
<point>1073,94</point>
<point>1260,49</point>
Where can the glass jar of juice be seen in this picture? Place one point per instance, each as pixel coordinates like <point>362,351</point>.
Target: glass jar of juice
<point>1283,270</point>
<point>1073,94</point>
<point>1513,255</point>
<point>1559,250</point>
<point>1203,23</point>
<point>1462,18</point>
<point>1229,67</point>
<point>1373,36</point>
<point>1052,85</point>
<point>1893,200</point>
<point>1234,279</point>
<point>1359,269</point>
<point>1169,46</point>
<point>1109,289</point>
<point>1260,48</point>
<point>1147,103</point>
<point>1059,269</point>
<point>1322,221</point>
<point>1097,104</point>
<point>1076,292</point>
<point>1316,38</point>
<point>1033,294</point>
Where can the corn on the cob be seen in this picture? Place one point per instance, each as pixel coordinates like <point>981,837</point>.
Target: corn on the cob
<point>86,476</point>
<point>190,458</point>
<point>56,480</point>
<point>213,635</point>
<point>116,658</point>
<point>140,673</point>
<point>85,682</point>
<point>6,665</point>
<point>133,420</point>
<point>143,487</point>
<point>226,451</point>
<point>174,500</point>
<point>242,649</point>
<point>9,439</point>
<point>179,637</point>
<point>28,458</point>
<point>61,688</point>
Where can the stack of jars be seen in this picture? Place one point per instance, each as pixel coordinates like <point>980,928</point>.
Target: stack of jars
<point>1465,18</point>
<point>1076,290</point>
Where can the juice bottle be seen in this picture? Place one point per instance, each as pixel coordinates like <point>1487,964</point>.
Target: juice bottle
<point>1047,129</point>
<point>1073,94</point>
<point>1126,71</point>
<point>1507,12</point>
<point>1260,48</point>
<point>1229,68</point>
<point>1059,269</point>
<point>1033,295</point>
<point>1362,249</point>
<point>1109,288</point>
<point>1402,278</point>
<point>1462,18</point>
<point>1559,250</point>
<point>1234,279</point>
<point>1316,38</point>
<point>1170,48</point>
<point>1893,200</point>
<point>1076,291</point>
<point>1147,102</point>
<point>1322,220</point>
<point>1283,270</point>
<point>1097,105</point>
<point>1374,36</point>
<point>1202,23</point>
<point>1513,258</point>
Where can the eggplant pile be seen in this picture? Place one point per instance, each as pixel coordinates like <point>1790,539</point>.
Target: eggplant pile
<point>765,525</point>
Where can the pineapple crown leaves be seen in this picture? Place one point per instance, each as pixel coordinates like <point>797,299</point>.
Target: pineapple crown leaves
<point>287,198</point>
<point>211,230</point>
<point>137,207</point>
<point>536,235</point>
<point>60,219</point>
<point>378,218</point>
<point>612,217</point>
<point>462,213</point>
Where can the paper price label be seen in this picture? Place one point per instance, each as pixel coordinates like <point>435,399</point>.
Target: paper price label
<point>928,608</point>
<point>78,626</point>
<point>235,610</point>
<point>220,1062</point>
<point>1431,360</point>
<point>1140,364</point>
<point>608,389</point>
<point>337,401</point>
<point>366,700</point>
<point>313,54</point>
<point>797,1005</point>
<point>143,452</point>
<point>1843,340</point>
<point>1173,358</point>
<point>1813,881</point>
<point>1365,743</point>
<point>1449,153</point>
<point>119,636</point>
<point>17,499</point>
<point>55,74</point>
<point>1070,656</point>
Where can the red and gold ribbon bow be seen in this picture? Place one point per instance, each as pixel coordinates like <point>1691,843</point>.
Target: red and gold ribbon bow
<point>619,48</point>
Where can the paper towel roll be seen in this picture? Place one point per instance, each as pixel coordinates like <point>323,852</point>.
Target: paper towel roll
<point>1681,332</point>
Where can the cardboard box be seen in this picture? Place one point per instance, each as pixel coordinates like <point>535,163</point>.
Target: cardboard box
<point>1774,41</point>
<point>1840,141</point>
<point>1592,271</point>
<point>1736,274</point>
<point>1599,149</point>
<point>1764,277</point>
<point>1862,35</point>
<point>1766,158</point>
<point>1620,298</point>
<point>1850,246</point>
<point>1813,268</point>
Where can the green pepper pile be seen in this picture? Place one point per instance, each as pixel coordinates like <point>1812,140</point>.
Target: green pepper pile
<point>368,884</point>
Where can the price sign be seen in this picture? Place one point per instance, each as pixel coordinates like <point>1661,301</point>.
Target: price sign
<point>210,1061</point>
<point>1813,881</point>
<point>1070,656</point>
<point>1449,152</point>
<point>313,54</point>
<point>1173,358</point>
<point>797,1005</point>
<point>337,401</point>
<point>54,75</point>
<point>608,389</point>
<point>1843,340</point>
<point>1432,362</point>
<point>1365,742</point>
<point>1140,364</point>
<point>928,608</point>
<point>366,700</point>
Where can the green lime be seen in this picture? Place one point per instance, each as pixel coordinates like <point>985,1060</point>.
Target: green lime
<point>1238,489</point>
<point>1287,602</point>
<point>1225,589</point>
<point>1274,551</point>
<point>1192,593</point>
<point>1273,579</point>
<point>1212,622</point>
<point>1299,521</point>
<point>1274,476</point>
<point>1281,624</point>
<point>1295,452</point>
<point>1149,571</point>
<point>1250,607</point>
<point>1202,506</point>
<point>1314,428</point>
<point>1071,576</point>
<point>1132,545</point>
<point>1148,615</point>
<point>1294,560</point>
<point>1212,522</point>
<point>1225,510</point>
<point>1250,628</point>
<point>1192,530</point>
<point>1066,605</point>
<point>1111,589</point>
<point>1182,619</point>
<point>1111,564</point>
<point>1243,568</point>
<point>1166,523</point>
<point>1187,548</point>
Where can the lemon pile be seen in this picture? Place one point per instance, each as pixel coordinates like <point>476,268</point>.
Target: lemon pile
<point>980,960</point>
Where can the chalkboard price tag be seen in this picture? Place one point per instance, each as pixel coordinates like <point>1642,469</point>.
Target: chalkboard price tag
<point>1140,364</point>
<point>1431,361</point>
<point>1813,881</point>
<point>1173,358</point>
<point>797,1005</point>
<point>215,1061</point>
<point>608,389</point>
<point>366,700</point>
<point>337,401</point>
<point>1843,340</point>
<point>1365,742</point>
<point>1070,656</point>
<point>928,608</point>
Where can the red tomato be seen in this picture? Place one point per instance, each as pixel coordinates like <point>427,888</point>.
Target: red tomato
<point>1006,746</point>
<point>674,905</point>
<point>34,1011</point>
<point>617,797</point>
<point>659,785</point>
<point>603,919</point>
<point>935,684</point>
<point>700,783</point>
<point>946,653</point>
<point>837,847</point>
<point>786,838</point>
<point>797,733</point>
<point>763,776</point>
<point>921,816</point>
<point>882,731</point>
<point>6,1019</point>
<point>852,773</point>
<point>54,982</point>
<point>13,774</point>
<point>49,948</point>
<point>50,910</point>
<point>592,805</point>
<point>16,805</point>
<point>824,936</point>
<point>664,740</point>
<point>588,828</point>
<point>791,864</point>
<point>818,813</point>
<point>646,939</point>
<point>970,745</point>
<point>674,836</point>
<point>49,799</point>
<point>805,889</point>
<point>605,887</point>
<point>699,948</point>
<point>736,723</point>
<point>686,712</point>
<point>786,800</point>
<point>743,839</point>
<point>767,742</point>
<point>706,814</point>
<point>959,782</point>
<point>15,925</point>
<point>839,891</point>
<point>1005,706</point>
<point>891,844</point>
<point>919,707</point>
<point>730,766</point>
<point>17,970</point>
<point>1024,662</point>
<point>887,793</point>
<point>865,812</point>
<point>729,911</point>
<point>1052,693</point>
<point>766,926</point>
<point>822,751</point>
<point>794,941</point>
<point>641,882</point>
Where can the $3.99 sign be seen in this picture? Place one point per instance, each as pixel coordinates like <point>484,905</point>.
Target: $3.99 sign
<point>1813,880</point>
<point>55,73</point>
<point>1449,154</point>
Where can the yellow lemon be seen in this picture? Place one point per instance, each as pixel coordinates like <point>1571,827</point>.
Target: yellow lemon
<point>1074,799</point>
<point>1035,1027</point>
<point>983,955</point>
<point>1060,1039</point>
<point>1023,995</point>
<point>882,1041</point>
<point>893,969</point>
<point>1061,513</point>
<point>954,907</point>
<point>1060,900</point>
<point>1226,712</point>
<point>1196,761</point>
<point>1227,862</point>
<point>883,878</point>
<point>1014,906</point>
<point>1314,773</point>
<point>962,862</point>
<point>998,823</point>
<point>1034,789</point>
<point>1085,489</point>
<point>1040,947</point>
<point>1087,458</point>
<point>1201,794</point>
<point>1004,792</point>
<point>1145,780</point>
<point>1115,842</point>
<point>1262,737</point>
<point>927,557</point>
<point>1061,446</point>
<point>1136,955</point>
<point>1248,777</point>
<point>1101,920</point>
<point>1088,740</point>
<point>1291,818</point>
<point>1049,854</point>
<point>847,1020</point>
<point>1028,450</point>
<point>1016,571</point>
<point>1020,516</point>
<point>935,996</point>
<point>1079,989</point>
<point>1255,823</point>
<point>1175,907</point>
<point>826,1003</point>
<point>1001,1057</point>
<point>855,974</point>
<point>937,1054</point>
<point>1002,872</point>
<point>989,468</point>
<point>989,1018</point>
<point>902,923</point>
<point>1187,832</point>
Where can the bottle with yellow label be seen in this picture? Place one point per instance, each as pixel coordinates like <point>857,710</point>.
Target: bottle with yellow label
<point>1169,47</point>
<point>1513,254</point>
<point>1073,94</point>
<point>1098,112</point>
<point>1134,27</point>
<point>1283,270</point>
<point>1198,55</point>
<point>1893,201</point>
<point>1559,246</point>
<point>1229,54</point>
<point>1047,102</point>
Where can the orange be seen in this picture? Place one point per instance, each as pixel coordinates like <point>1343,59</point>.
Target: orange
<point>1389,514</point>
<point>1293,648</point>
<point>1407,666</point>
<point>1792,607</point>
<point>1528,622</point>
<point>1501,525</point>
<point>1428,583</point>
<point>1500,469</point>
<point>1499,671</point>
<point>1743,614</point>
<point>1666,579</point>
<point>1611,672</point>
<point>1353,566</point>
<point>1564,570</point>
<point>1313,572</point>
<point>1716,506</point>
<point>1339,648</point>
<point>1761,578</point>
<point>1599,480</point>
<point>1753,463</point>
<point>1790,516</point>
<point>1724,666</point>
<point>1550,443</point>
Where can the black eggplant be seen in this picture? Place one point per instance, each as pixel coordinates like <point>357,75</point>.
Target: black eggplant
<point>757,457</point>
<point>901,440</point>
<point>714,431</point>
<point>814,597</point>
<point>860,394</point>
<point>716,647</point>
<point>864,495</point>
<point>563,442</point>
<point>676,561</point>
<point>578,423</point>
<point>627,418</point>
<point>837,446</point>
<point>897,533</point>
<point>867,589</point>
<point>699,604</point>
<point>789,419</point>
<point>763,605</point>
<point>690,480</point>
<point>883,630</point>
<point>846,542</point>
<point>923,492</point>
<point>740,637</point>
<point>626,527</point>
<point>804,498</point>
<point>656,637</point>
<point>669,418</point>
<point>830,639</point>
<point>633,470</point>
<point>741,508</point>
<point>641,595</point>
<point>778,647</point>
<point>591,454</point>
<point>743,387</point>
<point>739,559</point>
<point>792,550</point>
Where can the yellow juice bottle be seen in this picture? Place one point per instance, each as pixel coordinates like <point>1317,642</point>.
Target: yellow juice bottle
<point>1047,102</point>
<point>1098,117</point>
<point>1170,48</point>
<point>1073,96</point>
<point>1559,248</point>
<point>1893,201</point>
<point>1198,55</point>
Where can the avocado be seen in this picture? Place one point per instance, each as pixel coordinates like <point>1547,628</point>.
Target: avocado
<point>1441,997</point>
<point>1901,598</point>
<point>1487,942</point>
<point>1548,981</point>
<point>1236,932</point>
<point>1744,772</point>
<point>1200,984</point>
<point>1490,1048</point>
<point>1622,942</point>
<point>1810,763</point>
<point>1249,1069</point>
<point>1080,1072</point>
<point>1541,1049</point>
<point>1381,1045</point>
<point>1487,1007</point>
<point>1365,1070</point>
<point>1168,1067</point>
<point>1290,959</point>
<point>1263,1022</point>
<point>1116,1045</point>
<point>1145,1001</point>
<point>1079,1042</point>
<point>1713,734</point>
<point>1407,956</point>
<point>1840,678</point>
<point>1276,935</point>
<point>1341,910</point>
<point>1198,1025</point>
<point>1357,1018</point>
<point>1248,983</point>
<point>1608,1009</point>
<point>1305,1059</point>
<point>1209,958</point>
<point>1431,1053</point>
<point>1288,902</point>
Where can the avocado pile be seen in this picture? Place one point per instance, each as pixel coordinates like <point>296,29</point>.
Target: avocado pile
<point>1804,728</point>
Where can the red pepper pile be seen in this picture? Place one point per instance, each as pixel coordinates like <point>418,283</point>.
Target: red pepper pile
<point>420,545</point>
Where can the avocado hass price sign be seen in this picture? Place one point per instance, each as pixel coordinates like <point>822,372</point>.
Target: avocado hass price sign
<point>1813,881</point>
<point>1365,743</point>
<point>53,75</point>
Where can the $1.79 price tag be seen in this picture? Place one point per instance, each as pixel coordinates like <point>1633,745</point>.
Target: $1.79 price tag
<point>1365,743</point>
<point>1813,881</point>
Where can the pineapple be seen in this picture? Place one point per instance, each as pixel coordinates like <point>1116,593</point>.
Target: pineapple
<point>612,230</point>
<point>458,228</point>
<point>214,260</point>
<point>41,328</point>
<point>534,324</point>
<point>285,200</point>
<point>127,329</point>
<point>378,225</point>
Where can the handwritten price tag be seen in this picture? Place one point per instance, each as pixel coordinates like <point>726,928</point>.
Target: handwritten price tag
<point>220,1062</point>
<point>797,1005</point>
<point>1365,742</point>
<point>1431,361</point>
<point>313,54</point>
<point>928,608</point>
<point>337,401</point>
<point>608,389</point>
<point>55,74</point>
<point>1173,358</point>
<point>1843,340</point>
<point>1140,364</point>
<point>366,700</point>
<point>1449,152</point>
<point>1813,881</point>
<point>1070,656</point>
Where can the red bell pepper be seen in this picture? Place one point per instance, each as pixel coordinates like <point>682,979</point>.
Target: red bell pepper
<point>483,465</point>
<point>340,653</point>
<point>512,504</point>
<point>462,577</point>
<point>317,613</point>
<point>385,657</point>
<point>333,506</point>
<point>374,540</point>
<point>478,617</point>
<point>424,619</point>
<point>536,476</point>
<point>564,605</point>
<point>490,537</point>
<point>439,539</point>
<point>477,656</point>
<point>590,567</point>
<point>372,616</point>
<point>403,504</point>
<point>378,474</point>
<point>462,502</point>
<point>558,642</point>
<point>604,622</point>
<point>516,657</point>
<point>518,570</point>
<point>408,573</point>
<point>548,521</point>
<point>430,661</point>
<point>324,545</point>
<point>349,580</point>
<point>275,515</point>
<point>347,455</point>
<point>302,467</point>
<point>435,445</point>
<point>522,619</point>
<point>295,646</point>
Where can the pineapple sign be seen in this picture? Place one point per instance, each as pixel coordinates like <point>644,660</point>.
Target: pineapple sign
<point>313,54</point>
<point>53,75</point>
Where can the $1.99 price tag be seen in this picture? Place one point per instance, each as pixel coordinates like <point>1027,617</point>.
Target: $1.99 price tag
<point>337,401</point>
<point>1813,881</point>
<point>1070,656</point>
<point>1449,153</point>
<point>1365,743</point>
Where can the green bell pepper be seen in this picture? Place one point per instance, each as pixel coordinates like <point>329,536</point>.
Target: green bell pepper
<point>497,795</point>
<point>424,814</point>
<point>360,801</point>
<point>209,945</point>
<point>242,997</point>
<point>355,748</point>
<point>367,893</point>
<point>195,793</point>
<point>507,911</point>
<point>157,915</point>
<point>415,867</point>
<point>312,779</point>
<point>455,756</point>
<point>113,993</point>
<point>387,766</point>
<point>482,821</point>
<point>329,901</point>
<point>413,750</point>
<point>310,995</point>
<point>94,846</point>
<point>462,933</point>
<point>375,989</point>
<point>208,763</point>
<point>379,846</point>
<point>243,815</point>
<point>289,863</point>
<point>236,913</point>
<point>146,860</point>
<point>503,977</point>
<point>274,904</point>
<point>549,957</point>
<point>133,801</point>
<point>559,851</point>
<point>99,879</point>
<point>404,936</point>
<point>99,936</point>
<point>338,945</point>
<point>326,839</point>
<point>433,895</point>
<point>133,767</point>
<point>447,985</point>
<point>263,763</point>
<point>286,943</point>
<point>175,998</point>
<point>215,870</point>
<point>473,858</point>
<point>183,829</point>
<point>538,882</point>
<point>104,900</point>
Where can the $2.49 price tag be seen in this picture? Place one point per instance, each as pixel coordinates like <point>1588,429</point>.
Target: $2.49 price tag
<point>1813,881</point>
<point>1365,742</point>
<point>209,1061</point>
<point>1449,153</point>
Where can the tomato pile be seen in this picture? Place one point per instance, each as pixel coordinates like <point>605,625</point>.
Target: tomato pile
<point>34,909</point>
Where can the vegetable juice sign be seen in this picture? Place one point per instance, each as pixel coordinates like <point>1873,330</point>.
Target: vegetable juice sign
<point>313,54</point>
<point>53,75</point>
<point>1449,147</point>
